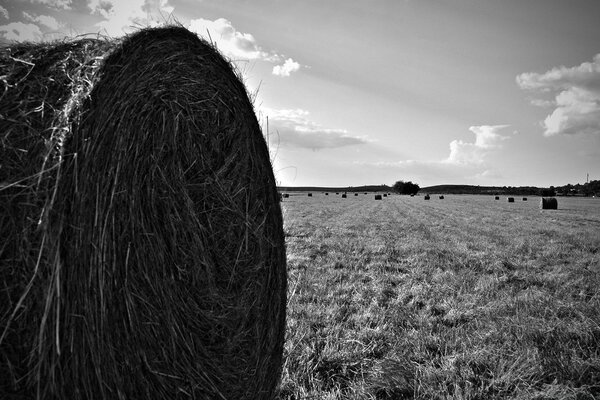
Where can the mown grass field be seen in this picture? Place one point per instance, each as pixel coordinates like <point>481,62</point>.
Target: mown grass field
<point>461,298</point>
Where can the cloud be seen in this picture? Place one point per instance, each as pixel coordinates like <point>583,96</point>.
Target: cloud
<point>486,139</point>
<point>57,4</point>
<point>47,21</point>
<point>286,68</point>
<point>3,12</point>
<point>235,44</point>
<point>21,32</point>
<point>120,16</point>
<point>576,92</point>
<point>467,161</point>
<point>296,130</point>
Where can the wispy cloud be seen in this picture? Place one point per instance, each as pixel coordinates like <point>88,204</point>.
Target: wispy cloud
<point>293,128</point>
<point>467,161</point>
<point>21,32</point>
<point>286,68</point>
<point>576,92</point>
<point>57,4</point>
<point>121,16</point>
<point>45,20</point>
<point>3,12</point>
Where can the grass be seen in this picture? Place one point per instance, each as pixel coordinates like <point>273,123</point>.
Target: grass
<point>466,298</point>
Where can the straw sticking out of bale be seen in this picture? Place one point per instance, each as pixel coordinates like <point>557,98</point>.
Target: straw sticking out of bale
<point>549,203</point>
<point>142,241</point>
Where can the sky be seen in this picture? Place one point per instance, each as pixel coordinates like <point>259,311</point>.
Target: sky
<point>369,92</point>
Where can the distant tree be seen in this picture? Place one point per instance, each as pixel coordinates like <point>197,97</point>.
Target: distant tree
<point>402,187</point>
<point>547,192</point>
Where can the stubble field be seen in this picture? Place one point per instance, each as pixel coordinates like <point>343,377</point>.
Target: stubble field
<point>461,298</point>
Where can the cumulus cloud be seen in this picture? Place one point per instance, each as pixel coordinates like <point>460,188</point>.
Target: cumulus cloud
<point>487,137</point>
<point>3,12</point>
<point>576,92</point>
<point>235,44</point>
<point>286,68</point>
<point>296,130</point>
<point>21,32</point>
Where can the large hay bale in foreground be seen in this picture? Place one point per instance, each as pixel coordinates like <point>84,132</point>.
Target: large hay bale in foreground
<point>142,251</point>
<point>549,203</point>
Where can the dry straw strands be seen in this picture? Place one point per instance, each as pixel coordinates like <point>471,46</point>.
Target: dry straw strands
<point>549,203</point>
<point>142,251</point>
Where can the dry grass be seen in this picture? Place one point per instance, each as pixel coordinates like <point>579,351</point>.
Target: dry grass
<point>460,299</point>
<point>141,236</point>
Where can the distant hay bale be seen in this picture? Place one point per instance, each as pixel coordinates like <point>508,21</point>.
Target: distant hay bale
<point>412,195</point>
<point>326,194</point>
<point>286,195</point>
<point>442,197</point>
<point>549,203</point>
<point>511,199</point>
<point>356,194</point>
<point>385,195</point>
<point>310,195</point>
<point>426,197</point>
<point>344,196</point>
<point>142,250</point>
<point>337,192</point>
<point>524,198</point>
<point>378,197</point>
<point>497,198</point>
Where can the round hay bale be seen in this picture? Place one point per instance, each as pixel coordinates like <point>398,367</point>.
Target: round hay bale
<point>326,194</point>
<point>497,198</point>
<point>524,198</point>
<point>549,203</point>
<point>355,194</point>
<point>142,250</point>
<point>286,195</point>
<point>310,195</point>
<point>511,199</point>
<point>385,195</point>
<point>426,197</point>
<point>441,197</point>
<point>378,197</point>
<point>344,196</point>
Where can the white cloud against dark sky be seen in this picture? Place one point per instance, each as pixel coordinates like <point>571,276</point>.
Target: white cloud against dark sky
<point>361,92</point>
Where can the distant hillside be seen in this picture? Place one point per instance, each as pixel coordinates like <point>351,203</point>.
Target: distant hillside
<point>366,188</point>
<point>470,189</point>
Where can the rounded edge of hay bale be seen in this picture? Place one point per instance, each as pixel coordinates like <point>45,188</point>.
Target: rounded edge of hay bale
<point>148,303</point>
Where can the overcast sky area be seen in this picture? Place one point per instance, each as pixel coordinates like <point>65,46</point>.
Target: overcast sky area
<point>479,92</point>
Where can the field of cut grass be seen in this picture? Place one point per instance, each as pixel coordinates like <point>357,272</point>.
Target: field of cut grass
<point>461,298</point>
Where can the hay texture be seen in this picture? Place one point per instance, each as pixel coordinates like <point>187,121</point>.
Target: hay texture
<point>549,203</point>
<point>142,250</point>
